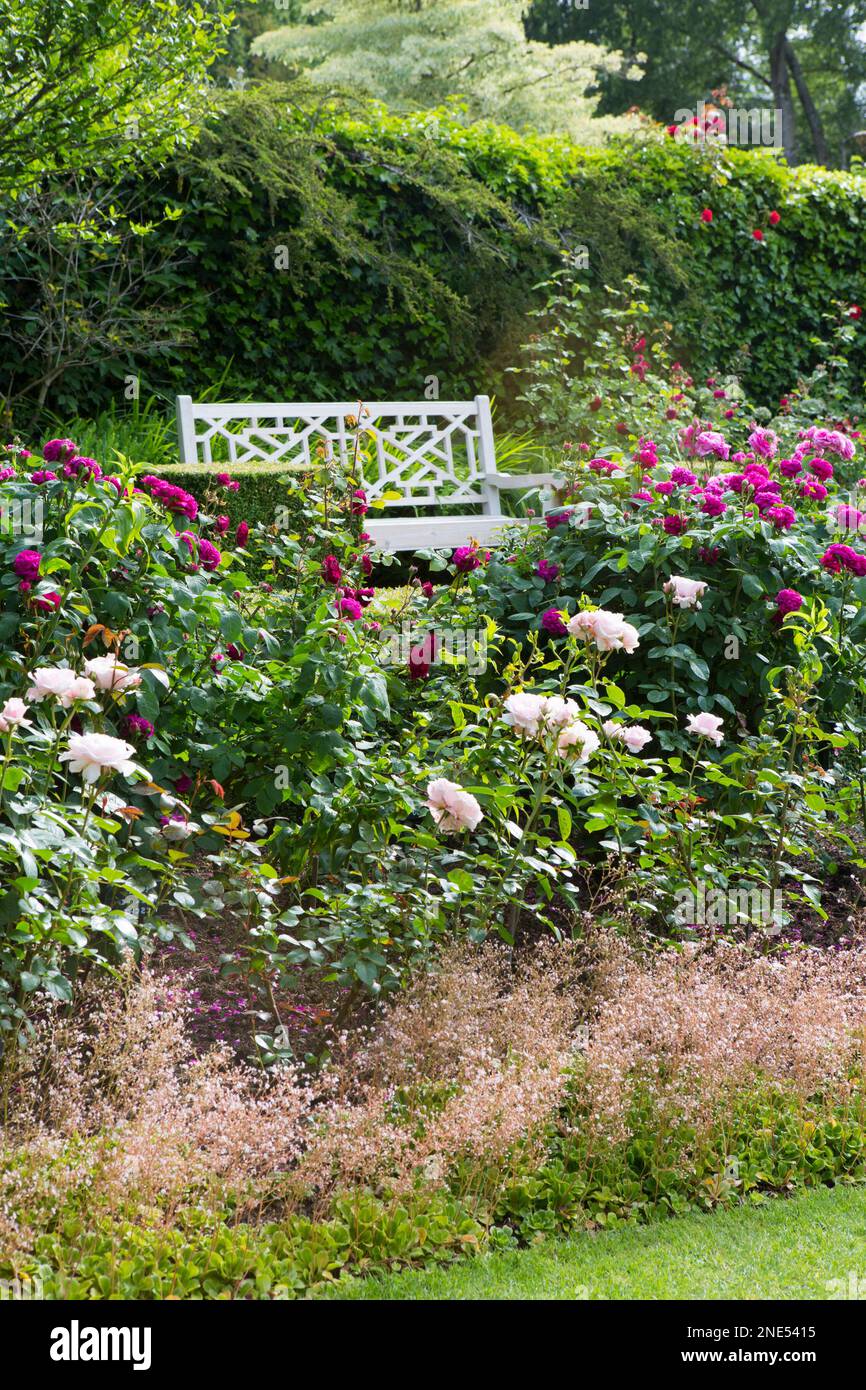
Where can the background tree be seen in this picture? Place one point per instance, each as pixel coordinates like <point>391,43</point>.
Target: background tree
<point>807,56</point>
<point>89,287</point>
<point>252,18</point>
<point>413,54</point>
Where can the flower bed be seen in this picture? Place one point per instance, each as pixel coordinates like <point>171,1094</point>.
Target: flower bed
<point>660,683</point>
<point>331,788</point>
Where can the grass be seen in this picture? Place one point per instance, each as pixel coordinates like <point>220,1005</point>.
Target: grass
<point>782,1249</point>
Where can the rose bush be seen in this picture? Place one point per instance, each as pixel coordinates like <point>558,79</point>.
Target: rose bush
<point>737,544</point>
<point>658,680</point>
<point>252,746</point>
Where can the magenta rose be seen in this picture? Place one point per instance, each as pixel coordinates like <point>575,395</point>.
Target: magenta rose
<point>26,565</point>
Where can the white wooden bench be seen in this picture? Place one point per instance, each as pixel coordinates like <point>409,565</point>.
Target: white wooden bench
<point>437,456</point>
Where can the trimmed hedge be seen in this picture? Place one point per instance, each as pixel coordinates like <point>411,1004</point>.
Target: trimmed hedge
<point>469,219</point>
<point>412,247</point>
<point>261,494</point>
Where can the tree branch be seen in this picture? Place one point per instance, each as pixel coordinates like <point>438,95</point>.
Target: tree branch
<point>822,153</point>
<point>741,63</point>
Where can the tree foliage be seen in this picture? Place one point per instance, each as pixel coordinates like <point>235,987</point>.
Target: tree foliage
<point>422,54</point>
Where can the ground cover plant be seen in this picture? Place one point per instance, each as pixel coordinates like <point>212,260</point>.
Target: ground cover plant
<point>486,1108</point>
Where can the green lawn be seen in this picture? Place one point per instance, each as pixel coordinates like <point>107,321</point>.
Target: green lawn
<point>784,1248</point>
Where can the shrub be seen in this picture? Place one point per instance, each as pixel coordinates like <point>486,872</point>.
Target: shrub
<point>414,189</point>
<point>352,806</point>
<point>734,548</point>
<point>100,596</point>
<point>133,620</point>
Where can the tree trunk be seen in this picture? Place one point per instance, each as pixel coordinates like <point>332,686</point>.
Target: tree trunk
<point>780,81</point>
<point>822,154</point>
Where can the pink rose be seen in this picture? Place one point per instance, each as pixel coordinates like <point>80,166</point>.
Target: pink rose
<point>706,726</point>
<point>525,712</point>
<point>451,807</point>
<point>684,593</point>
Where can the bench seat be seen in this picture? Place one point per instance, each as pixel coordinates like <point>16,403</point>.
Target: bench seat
<point>437,532</point>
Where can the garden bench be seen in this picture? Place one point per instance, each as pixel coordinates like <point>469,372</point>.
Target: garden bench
<point>436,456</point>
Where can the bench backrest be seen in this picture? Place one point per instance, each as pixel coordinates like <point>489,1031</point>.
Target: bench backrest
<point>428,453</point>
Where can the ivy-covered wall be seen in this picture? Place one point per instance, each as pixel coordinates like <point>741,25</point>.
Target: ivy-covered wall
<point>333,255</point>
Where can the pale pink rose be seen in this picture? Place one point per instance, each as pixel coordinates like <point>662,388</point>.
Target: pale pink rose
<point>707,726</point>
<point>582,624</point>
<point>525,712</point>
<point>110,674</point>
<point>611,632</point>
<point>80,689</point>
<point>177,830</point>
<point>50,681</point>
<point>451,807</point>
<point>634,736</point>
<point>93,754</point>
<point>13,715</point>
<point>577,736</point>
<point>559,712</point>
<point>685,593</point>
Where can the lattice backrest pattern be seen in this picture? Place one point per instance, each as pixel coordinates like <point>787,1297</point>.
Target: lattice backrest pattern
<point>430,453</point>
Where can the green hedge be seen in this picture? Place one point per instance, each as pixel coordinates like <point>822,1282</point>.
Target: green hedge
<point>262,491</point>
<point>468,220</point>
<point>261,497</point>
<point>413,246</point>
